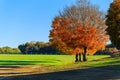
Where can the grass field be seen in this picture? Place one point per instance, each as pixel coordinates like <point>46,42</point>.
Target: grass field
<point>56,60</point>
<point>35,59</point>
<point>46,67</point>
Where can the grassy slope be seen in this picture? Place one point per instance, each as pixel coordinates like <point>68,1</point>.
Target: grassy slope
<point>57,60</point>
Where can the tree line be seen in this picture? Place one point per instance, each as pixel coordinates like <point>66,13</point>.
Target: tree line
<point>37,48</point>
<point>31,48</point>
<point>9,50</point>
<point>46,48</point>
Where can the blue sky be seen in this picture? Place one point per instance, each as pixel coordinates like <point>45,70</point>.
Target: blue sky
<point>23,21</point>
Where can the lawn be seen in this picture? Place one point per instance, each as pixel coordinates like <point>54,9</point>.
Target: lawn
<point>13,59</point>
<point>56,60</point>
<point>50,65</point>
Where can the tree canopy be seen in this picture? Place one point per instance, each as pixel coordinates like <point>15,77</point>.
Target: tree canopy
<point>113,22</point>
<point>80,26</point>
<point>37,48</point>
<point>9,50</point>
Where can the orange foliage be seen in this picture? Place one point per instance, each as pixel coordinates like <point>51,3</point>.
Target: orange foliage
<point>77,50</point>
<point>64,36</point>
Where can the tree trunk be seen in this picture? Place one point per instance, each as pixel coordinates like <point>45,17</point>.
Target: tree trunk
<point>84,54</point>
<point>76,57</point>
<point>80,57</point>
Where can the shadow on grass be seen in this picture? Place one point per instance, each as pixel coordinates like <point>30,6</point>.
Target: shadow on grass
<point>94,73</point>
<point>28,62</point>
<point>7,66</point>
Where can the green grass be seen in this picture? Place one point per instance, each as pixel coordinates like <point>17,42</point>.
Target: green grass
<point>35,59</point>
<point>57,60</point>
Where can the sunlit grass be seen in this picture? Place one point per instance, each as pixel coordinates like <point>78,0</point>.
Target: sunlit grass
<point>35,59</point>
<point>59,61</point>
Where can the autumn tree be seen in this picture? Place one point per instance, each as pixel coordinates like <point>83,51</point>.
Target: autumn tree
<point>113,22</point>
<point>80,27</point>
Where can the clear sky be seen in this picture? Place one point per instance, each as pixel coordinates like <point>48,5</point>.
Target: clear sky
<point>23,21</point>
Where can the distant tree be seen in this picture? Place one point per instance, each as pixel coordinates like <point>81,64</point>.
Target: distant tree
<point>30,47</point>
<point>15,50</point>
<point>80,26</point>
<point>22,48</point>
<point>9,50</point>
<point>113,22</point>
<point>37,48</point>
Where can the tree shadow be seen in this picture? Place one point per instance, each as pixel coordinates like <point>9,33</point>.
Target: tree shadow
<point>9,66</point>
<point>94,73</point>
<point>28,62</point>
